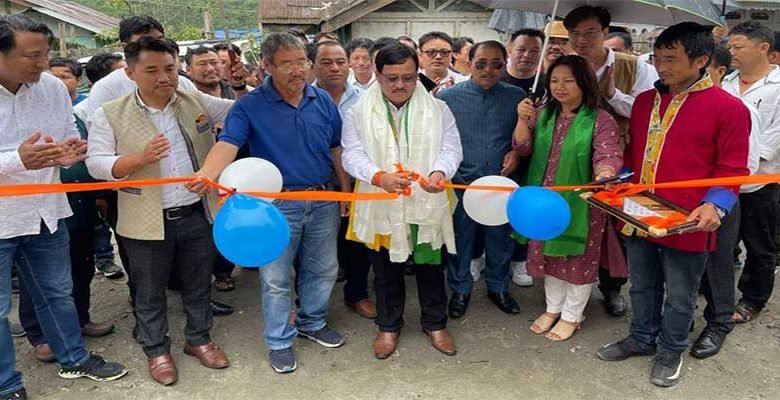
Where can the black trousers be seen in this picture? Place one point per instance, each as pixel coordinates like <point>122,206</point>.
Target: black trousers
<point>608,283</point>
<point>757,231</point>
<point>189,245</point>
<point>223,269</point>
<point>717,283</point>
<point>391,293</point>
<point>111,218</point>
<point>353,257</point>
<point>82,270</point>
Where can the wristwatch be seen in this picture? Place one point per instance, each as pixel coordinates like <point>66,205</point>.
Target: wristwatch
<point>721,212</point>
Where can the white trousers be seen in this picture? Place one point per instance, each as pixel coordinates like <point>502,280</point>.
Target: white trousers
<point>566,298</point>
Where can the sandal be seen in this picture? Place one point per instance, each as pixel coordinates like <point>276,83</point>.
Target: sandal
<point>563,330</point>
<point>744,312</point>
<point>544,323</point>
<point>225,284</point>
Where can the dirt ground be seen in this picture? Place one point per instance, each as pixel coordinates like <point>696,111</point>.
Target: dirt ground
<point>498,357</point>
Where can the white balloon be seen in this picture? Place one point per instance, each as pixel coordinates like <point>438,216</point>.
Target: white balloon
<point>488,207</point>
<point>252,174</point>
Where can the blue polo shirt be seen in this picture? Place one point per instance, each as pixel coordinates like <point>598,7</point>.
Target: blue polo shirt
<point>297,140</point>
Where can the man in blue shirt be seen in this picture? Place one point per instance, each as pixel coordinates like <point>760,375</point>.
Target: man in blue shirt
<point>298,128</point>
<point>485,111</point>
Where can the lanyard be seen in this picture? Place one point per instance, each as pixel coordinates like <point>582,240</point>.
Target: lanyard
<point>405,122</point>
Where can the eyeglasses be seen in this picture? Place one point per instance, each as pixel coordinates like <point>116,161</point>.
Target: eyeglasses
<point>407,80</point>
<point>433,52</point>
<point>288,66</point>
<point>589,34</point>
<point>480,65</point>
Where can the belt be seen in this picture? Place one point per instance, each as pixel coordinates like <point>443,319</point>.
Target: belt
<point>317,188</point>
<point>174,213</point>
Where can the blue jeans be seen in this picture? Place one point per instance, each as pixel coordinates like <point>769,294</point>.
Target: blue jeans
<point>314,228</point>
<point>44,267</point>
<point>104,250</point>
<point>498,252</point>
<point>651,267</point>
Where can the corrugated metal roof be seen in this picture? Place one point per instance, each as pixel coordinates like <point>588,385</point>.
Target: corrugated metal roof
<point>292,11</point>
<point>72,13</point>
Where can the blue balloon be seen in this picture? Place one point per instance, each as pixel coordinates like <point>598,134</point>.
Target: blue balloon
<point>538,213</point>
<point>250,232</point>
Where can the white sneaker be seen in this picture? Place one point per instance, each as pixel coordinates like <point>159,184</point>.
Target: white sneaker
<point>477,266</point>
<point>520,274</point>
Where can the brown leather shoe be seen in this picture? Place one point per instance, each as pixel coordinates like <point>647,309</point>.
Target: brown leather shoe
<point>97,329</point>
<point>442,341</point>
<point>210,355</point>
<point>43,353</point>
<point>365,308</point>
<point>163,370</point>
<point>385,344</point>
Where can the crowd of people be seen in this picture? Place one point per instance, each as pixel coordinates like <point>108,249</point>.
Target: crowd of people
<point>335,116</point>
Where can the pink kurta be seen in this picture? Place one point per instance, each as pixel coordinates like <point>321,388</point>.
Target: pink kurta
<point>600,247</point>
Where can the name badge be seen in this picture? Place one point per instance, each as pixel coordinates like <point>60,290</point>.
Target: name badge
<point>203,125</point>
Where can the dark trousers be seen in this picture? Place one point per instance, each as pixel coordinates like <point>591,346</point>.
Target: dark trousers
<point>664,286</point>
<point>82,261</point>
<point>353,257</point>
<point>608,283</point>
<point>112,218</point>
<point>188,243</point>
<point>718,280</point>
<point>223,269</point>
<point>757,231</point>
<point>391,293</point>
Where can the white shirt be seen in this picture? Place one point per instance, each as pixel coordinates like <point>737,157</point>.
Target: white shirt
<point>113,86</point>
<point>43,106</point>
<point>352,80</point>
<point>357,162</point>
<point>348,99</point>
<point>764,96</point>
<point>646,76</point>
<point>101,153</point>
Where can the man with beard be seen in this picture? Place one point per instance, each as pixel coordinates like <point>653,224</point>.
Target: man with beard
<point>558,45</point>
<point>206,71</point>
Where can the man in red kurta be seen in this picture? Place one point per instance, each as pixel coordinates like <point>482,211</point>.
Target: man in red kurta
<point>684,129</point>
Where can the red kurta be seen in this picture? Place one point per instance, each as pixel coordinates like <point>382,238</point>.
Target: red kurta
<point>708,139</point>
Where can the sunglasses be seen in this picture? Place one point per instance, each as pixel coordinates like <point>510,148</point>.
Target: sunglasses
<point>433,52</point>
<point>480,65</point>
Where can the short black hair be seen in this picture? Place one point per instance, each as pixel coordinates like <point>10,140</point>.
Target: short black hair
<point>133,50</point>
<point>721,57</point>
<point>408,39</point>
<point>427,37</point>
<point>196,50</point>
<point>776,47</point>
<point>696,40</point>
<point>614,28</point>
<point>530,32</point>
<point>138,25</point>
<point>313,48</point>
<point>359,43</point>
<point>299,34</point>
<point>579,14</point>
<point>224,47</point>
<point>625,37</point>
<point>755,31</point>
<point>488,43</point>
<point>100,65</point>
<point>395,54</point>
<point>71,64</point>
<point>460,42</point>
<point>380,43</point>
<point>10,24</point>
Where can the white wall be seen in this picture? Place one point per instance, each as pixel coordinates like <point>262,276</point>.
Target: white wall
<point>379,24</point>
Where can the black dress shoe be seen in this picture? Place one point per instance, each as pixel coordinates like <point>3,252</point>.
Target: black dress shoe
<point>220,309</point>
<point>458,304</point>
<point>708,344</point>
<point>504,302</point>
<point>615,303</point>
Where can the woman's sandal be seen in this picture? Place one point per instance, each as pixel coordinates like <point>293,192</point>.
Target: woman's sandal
<point>563,330</point>
<point>544,323</point>
<point>225,284</point>
<point>745,312</point>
